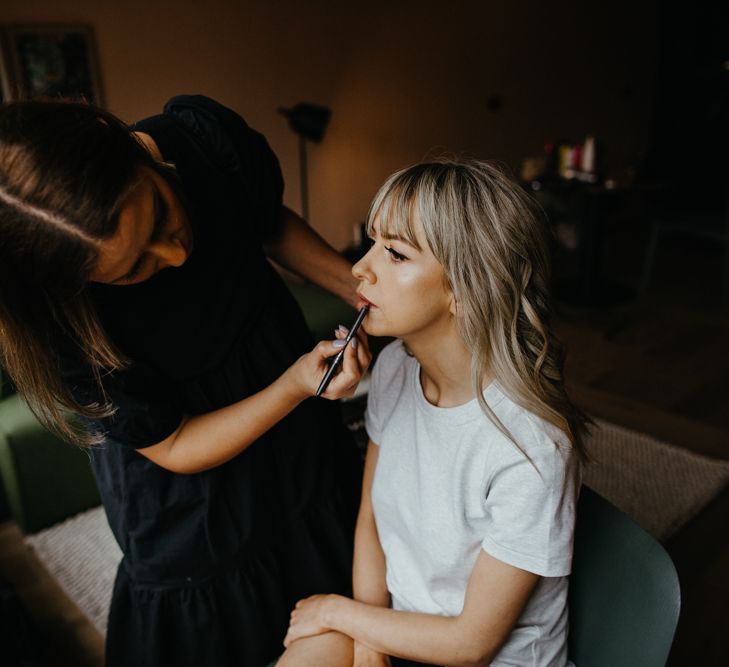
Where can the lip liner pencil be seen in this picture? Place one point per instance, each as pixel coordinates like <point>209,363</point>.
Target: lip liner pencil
<point>340,355</point>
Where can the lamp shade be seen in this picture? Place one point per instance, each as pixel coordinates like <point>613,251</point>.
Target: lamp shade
<point>308,120</point>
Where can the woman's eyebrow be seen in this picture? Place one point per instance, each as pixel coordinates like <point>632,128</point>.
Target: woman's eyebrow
<point>159,210</point>
<point>132,271</point>
<point>398,237</point>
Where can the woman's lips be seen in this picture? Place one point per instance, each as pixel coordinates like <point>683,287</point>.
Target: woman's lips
<point>364,302</point>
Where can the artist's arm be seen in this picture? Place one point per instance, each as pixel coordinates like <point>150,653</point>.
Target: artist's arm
<point>368,571</point>
<point>205,441</point>
<point>302,251</point>
<point>495,598</point>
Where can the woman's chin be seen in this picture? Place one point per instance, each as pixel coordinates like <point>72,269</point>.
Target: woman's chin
<point>371,329</point>
<point>377,329</point>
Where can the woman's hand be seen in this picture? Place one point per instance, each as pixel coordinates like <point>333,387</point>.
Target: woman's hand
<point>366,657</point>
<point>309,618</point>
<point>308,371</point>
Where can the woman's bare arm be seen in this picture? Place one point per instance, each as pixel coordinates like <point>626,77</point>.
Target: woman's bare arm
<point>496,595</point>
<point>368,572</point>
<point>302,251</point>
<point>205,441</point>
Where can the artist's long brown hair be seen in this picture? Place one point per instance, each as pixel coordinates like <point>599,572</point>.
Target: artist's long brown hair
<point>65,169</point>
<point>492,243</point>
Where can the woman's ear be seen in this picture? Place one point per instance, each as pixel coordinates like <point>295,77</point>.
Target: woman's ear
<point>454,306</point>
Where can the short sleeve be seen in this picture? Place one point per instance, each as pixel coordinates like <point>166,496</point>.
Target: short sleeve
<point>239,152</point>
<point>146,409</point>
<point>530,510</point>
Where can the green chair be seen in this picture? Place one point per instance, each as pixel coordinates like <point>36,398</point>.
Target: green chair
<point>624,592</point>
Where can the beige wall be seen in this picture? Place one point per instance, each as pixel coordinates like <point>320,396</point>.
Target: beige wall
<point>404,79</point>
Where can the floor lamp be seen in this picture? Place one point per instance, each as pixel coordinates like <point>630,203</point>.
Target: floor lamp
<point>308,121</point>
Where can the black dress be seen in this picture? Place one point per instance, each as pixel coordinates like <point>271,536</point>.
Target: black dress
<point>214,561</point>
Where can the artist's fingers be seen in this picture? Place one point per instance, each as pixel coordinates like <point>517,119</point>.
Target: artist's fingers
<point>341,332</point>
<point>328,348</point>
<point>351,368</point>
<point>344,383</point>
<point>364,356</point>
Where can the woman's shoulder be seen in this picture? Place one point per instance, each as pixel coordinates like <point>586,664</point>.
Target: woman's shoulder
<point>540,439</point>
<point>204,115</point>
<point>239,154</point>
<point>200,102</point>
<point>220,128</point>
<point>390,372</point>
<point>392,360</point>
<point>388,388</point>
<point>394,351</point>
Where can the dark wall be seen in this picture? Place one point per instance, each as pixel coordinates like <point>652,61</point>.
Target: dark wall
<point>690,140</point>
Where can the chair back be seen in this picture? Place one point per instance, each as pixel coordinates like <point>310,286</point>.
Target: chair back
<point>624,595</point>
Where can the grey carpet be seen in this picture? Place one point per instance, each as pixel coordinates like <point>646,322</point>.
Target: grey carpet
<point>657,484</point>
<point>82,555</point>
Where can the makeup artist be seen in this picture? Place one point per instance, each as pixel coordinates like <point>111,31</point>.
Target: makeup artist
<point>135,293</point>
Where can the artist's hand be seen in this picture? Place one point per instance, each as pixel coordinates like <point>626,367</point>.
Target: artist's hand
<point>306,374</point>
<point>309,618</point>
<point>366,657</point>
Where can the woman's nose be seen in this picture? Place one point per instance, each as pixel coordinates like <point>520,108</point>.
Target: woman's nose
<point>170,251</point>
<point>363,271</point>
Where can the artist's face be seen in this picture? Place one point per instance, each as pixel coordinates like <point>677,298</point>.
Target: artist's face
<point>405,286</point>
<point>153,234</point>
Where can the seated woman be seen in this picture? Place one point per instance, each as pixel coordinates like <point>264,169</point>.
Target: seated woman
<point>464,535</point>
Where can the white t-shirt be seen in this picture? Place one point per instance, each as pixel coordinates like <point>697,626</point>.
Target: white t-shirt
<point>448,483</point>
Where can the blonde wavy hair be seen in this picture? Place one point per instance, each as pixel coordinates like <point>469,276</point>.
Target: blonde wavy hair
<point>490,238</point>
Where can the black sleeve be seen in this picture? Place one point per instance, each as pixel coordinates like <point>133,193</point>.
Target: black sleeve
<point>147,411</point>
<point>241,153</point>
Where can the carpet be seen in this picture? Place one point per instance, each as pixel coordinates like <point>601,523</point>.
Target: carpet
<point>82,555</point>
<point>658,485</point>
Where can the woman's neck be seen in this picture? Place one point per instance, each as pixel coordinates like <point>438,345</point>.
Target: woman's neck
<point>445,363</point>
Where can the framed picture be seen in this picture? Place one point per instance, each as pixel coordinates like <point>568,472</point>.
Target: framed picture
<point>50,61</point>
<point>4,71</point>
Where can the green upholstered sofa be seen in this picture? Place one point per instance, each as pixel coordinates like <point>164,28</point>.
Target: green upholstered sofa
<point>44,480</point>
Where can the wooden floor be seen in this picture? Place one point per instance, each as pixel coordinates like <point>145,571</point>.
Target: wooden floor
<point>657,363</point>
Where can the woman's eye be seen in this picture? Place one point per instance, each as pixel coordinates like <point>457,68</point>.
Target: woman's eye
<point>161,222</point>
<point>395,255</point>
<point>135,269</point>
